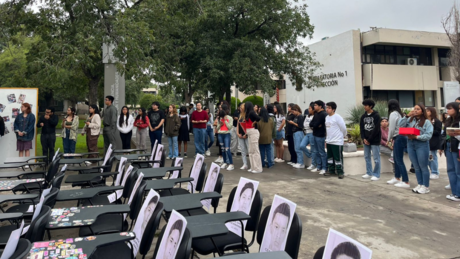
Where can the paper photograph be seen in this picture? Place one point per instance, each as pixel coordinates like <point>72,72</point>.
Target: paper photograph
<point>199,159</point>
<point>15,112</point>
<point>22,98</point>
<point>2,107</point>
<point>177,163</point>
<point>210,184</point>
<point>6,118</point>
<point>172,236</point>
<point>158,155</point>
<point>150,203</point>
<point>11,98</point>
<point>339,246</point>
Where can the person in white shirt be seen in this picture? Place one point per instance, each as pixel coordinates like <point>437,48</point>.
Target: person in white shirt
<point>308,139</point>
<point>336,132</point>
<point>125,127</point>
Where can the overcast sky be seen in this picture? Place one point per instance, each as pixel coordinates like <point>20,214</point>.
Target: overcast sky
<point>332,17</point>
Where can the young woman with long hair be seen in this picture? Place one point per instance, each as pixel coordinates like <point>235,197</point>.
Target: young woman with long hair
<point>451,150</point>
<point>172,128</point>
<point>435,141</point>
<point>265,127</point>
<point>142,123</point>
<point>24,127</point>
<point>92,130</point>
<point>224,126</point>
<point>418,147</point>
<point>125,127</point>
<point>69,131</point>
<point>184,131</point>
<point>280,120</point>
<point>209,132</point>
<point>243,138</point>
<point>290,135</point>
<point>298,134</point>
<point>249,125</point>
<point>308,138</point>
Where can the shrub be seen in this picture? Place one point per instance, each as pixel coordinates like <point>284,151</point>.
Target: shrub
<point>355,134</point>
<point>255,100</point>
<point>147,100</point>
<point>355,113</point>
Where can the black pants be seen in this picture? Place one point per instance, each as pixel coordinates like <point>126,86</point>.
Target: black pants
<point>126,140</point>
<point>290,139</point>
<point>48,141</point>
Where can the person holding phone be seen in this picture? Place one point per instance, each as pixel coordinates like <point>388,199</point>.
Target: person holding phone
<point>142,123</point>
<point>69,131</point>
<point>48,123</point>
<point>224,126</point>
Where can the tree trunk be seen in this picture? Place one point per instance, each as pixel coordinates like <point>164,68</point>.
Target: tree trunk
<point>93,89</point>
<point>188,93</point>
<point>228,95</point>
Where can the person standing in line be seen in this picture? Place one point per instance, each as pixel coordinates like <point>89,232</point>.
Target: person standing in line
<point>48,123</point>
<point>318,124</point>
<point>24,127</point>
<point>184,130</point>
<point>243,138</point>
<point>110,123</point>
<point>451,149</point>
<point>125,127</point>
<point>224,127</point>
<point>384,147</point>
<point>435,141</point>
<point>257,109</point>
<point>289,135</point>
<point>219,159</point>
<point>265,127</point>
<point>249,126</point>
<point>199,120</point>
<point>209,132</point>
<point>234,147</point>
<point>297,130</point>
<point>92,130</point>
<point>336,133</point>
<point>371,135</point>
<point>157,119</point>
<point>280,122</point>
<point>69,131</point>
<point>191,109</point>
<point>418,147</point>
<point>142,123</point>
<point>308,138</point>
<point>271,115</point>
<point>172,127</point>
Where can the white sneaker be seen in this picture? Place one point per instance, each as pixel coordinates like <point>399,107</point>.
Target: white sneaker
<point>452,197</point>
<point>417,188</point>
<point>311,167</point>
<point>314,170</point>
<point>290,163</point>
<point>393,181</point>
<point>207,153</point>
<point>293,165</point>
<point>423,190</point>
<point>256,172</point>
<point>366,176</point>
<point>230,168</point>
<point>244,167</point>
<point>447,187</point>
<point>277,160</point>
<point>402,185</point>
<point>250,170</point>
<point>391,160</point>
<point>88,163</point>
<point>219,160</point>
<point>168,158</point>
<point>281,160</point>
<point>223,166</point>
<point>299,166</point>
<point>434,176</point>
<point>373,178</point>
<point>322,172</point>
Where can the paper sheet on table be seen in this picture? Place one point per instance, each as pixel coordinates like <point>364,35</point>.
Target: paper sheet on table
<point>12,243</point>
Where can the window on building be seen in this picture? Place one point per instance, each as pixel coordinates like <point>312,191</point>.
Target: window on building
<point>407,99</point>
<point>443,55</point>
<point>387,54</point>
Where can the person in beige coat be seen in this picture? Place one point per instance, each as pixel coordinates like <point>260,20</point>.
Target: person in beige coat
<point>92,129</point>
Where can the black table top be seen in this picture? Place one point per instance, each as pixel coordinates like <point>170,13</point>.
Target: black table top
<point>268,255</point>
<point>209,225</point>
<point>82,216</point>
<point>4,216</point>
<point>8,185</point>
<point>12,197</point>
<point>15,165</point>
<point>79,246</point>
<point>84,178</point>
<point>88,193</point>
<point>80,154</point>
<point>165,184</point>
<point>17,173</point>
<point>187,201</point>
<point>71,161</point>
<point>132,156</point>
<point>159,172</point>
<point>12,160</point>
<point>119,151</point>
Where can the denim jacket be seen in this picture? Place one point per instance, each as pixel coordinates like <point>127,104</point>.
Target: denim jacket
<point>28,128</point>
<point>425,132</point>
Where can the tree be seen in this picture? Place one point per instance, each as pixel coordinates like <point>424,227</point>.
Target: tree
<point>451,25</point>
<point>255,100</point>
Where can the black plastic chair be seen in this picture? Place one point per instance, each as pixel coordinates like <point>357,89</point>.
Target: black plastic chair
<point>31,187</point>
<point>95,170</point>
<point>37,228</point>
<point>50,200</point>
<point>214,201</point>
<point>22,250</point>
<point>184,249</point>
<point>173,164</point>
<point>231,240</point>
<point>148,163</point>
<point>198,188</point>
<point>124,251</point>
<point>294,235</point>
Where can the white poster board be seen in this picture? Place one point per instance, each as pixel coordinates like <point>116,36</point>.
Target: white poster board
<point>199,159</point>
<point>10,102</point>
<point>158,155</point>
<point>278,225</point>
<point>210,184</point>
<point>340,245</point>
<point>172,236</point>
<point>244,196</point>
<point>177,163</point>
<point>451,91</point>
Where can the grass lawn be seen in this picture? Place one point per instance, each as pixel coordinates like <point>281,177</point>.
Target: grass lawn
<point>80,148</point>
<point>81,124</point>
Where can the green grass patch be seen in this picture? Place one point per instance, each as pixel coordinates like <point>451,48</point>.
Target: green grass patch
<point>81,124</point>
<point>80,147</point>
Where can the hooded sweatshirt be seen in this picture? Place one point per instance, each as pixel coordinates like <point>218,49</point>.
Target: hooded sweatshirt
<point>318,124</point>
<point>370,128</point>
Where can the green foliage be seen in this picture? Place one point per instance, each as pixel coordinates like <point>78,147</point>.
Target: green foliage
<point>232,104</point>
<point>255,100</point>
<point>355,134</point>
<point>147,100</point>
<point>355,112</point>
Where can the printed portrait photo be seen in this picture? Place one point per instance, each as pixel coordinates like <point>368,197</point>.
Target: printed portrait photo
<point>340,246</point>
<point>158,155</point>
<point>11,98</point>
<point>145,214</point>
<point>15,112</point>
<point>22,98</point>
<point>199,159</point>
<point>2,107</point>
<point>244,196</point>
<point>121,170</point>
<point>177,163</point>
<point>6,118</point>
<point>172,236</point>
<point>210,184</point>
<point>278,225</point>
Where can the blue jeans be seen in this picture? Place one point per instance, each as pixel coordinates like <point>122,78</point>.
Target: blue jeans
<point>69,145</point>
<point>224,140</point>
<point>280,134</point>
<point>266,150</point>
<point>155,135</point>
<point>453,170</point>
<point>298,137</point>
<point>375,150</point>
<point>434,164</point>
<point>272,146</point>
<point>173,147</point>
<point>398,156</point>
<point>321,156</point>
<point>210,134</point>
<point>419,153</point>
<point>200,135</point>
<point>308,139</point>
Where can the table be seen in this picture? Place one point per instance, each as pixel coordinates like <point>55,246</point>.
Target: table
<point>209,225</point>
<point>13,160</point>
<point>5,216</point>
<point>10,184</point>
<point>79,247</point>
<point>71,161</point>
<point>88,178</point>
<point>17,174</point>
<point>119,151</point>
<point>159,172</point>
<point>82,216</point>
<point>80,154</point>
<point>81,194</point>
<point>187,201</point>
<point>131,157</point>
<point>19,197</point>
<point>268,255</point>
<point>19,165</point>
<point>166,184</point>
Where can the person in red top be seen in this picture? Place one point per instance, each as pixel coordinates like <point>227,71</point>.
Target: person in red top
<point>199,120</point>
<point>248,125</point>
<point>142,123</point>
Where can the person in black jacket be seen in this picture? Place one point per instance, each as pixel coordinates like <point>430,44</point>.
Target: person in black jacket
<point>48,124</point>
<point>435,141</point>
<point>289,135</point>
<point>451,150</point>
<point>318,124</point>
<point>297,132</point>
<point>371,134</point>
